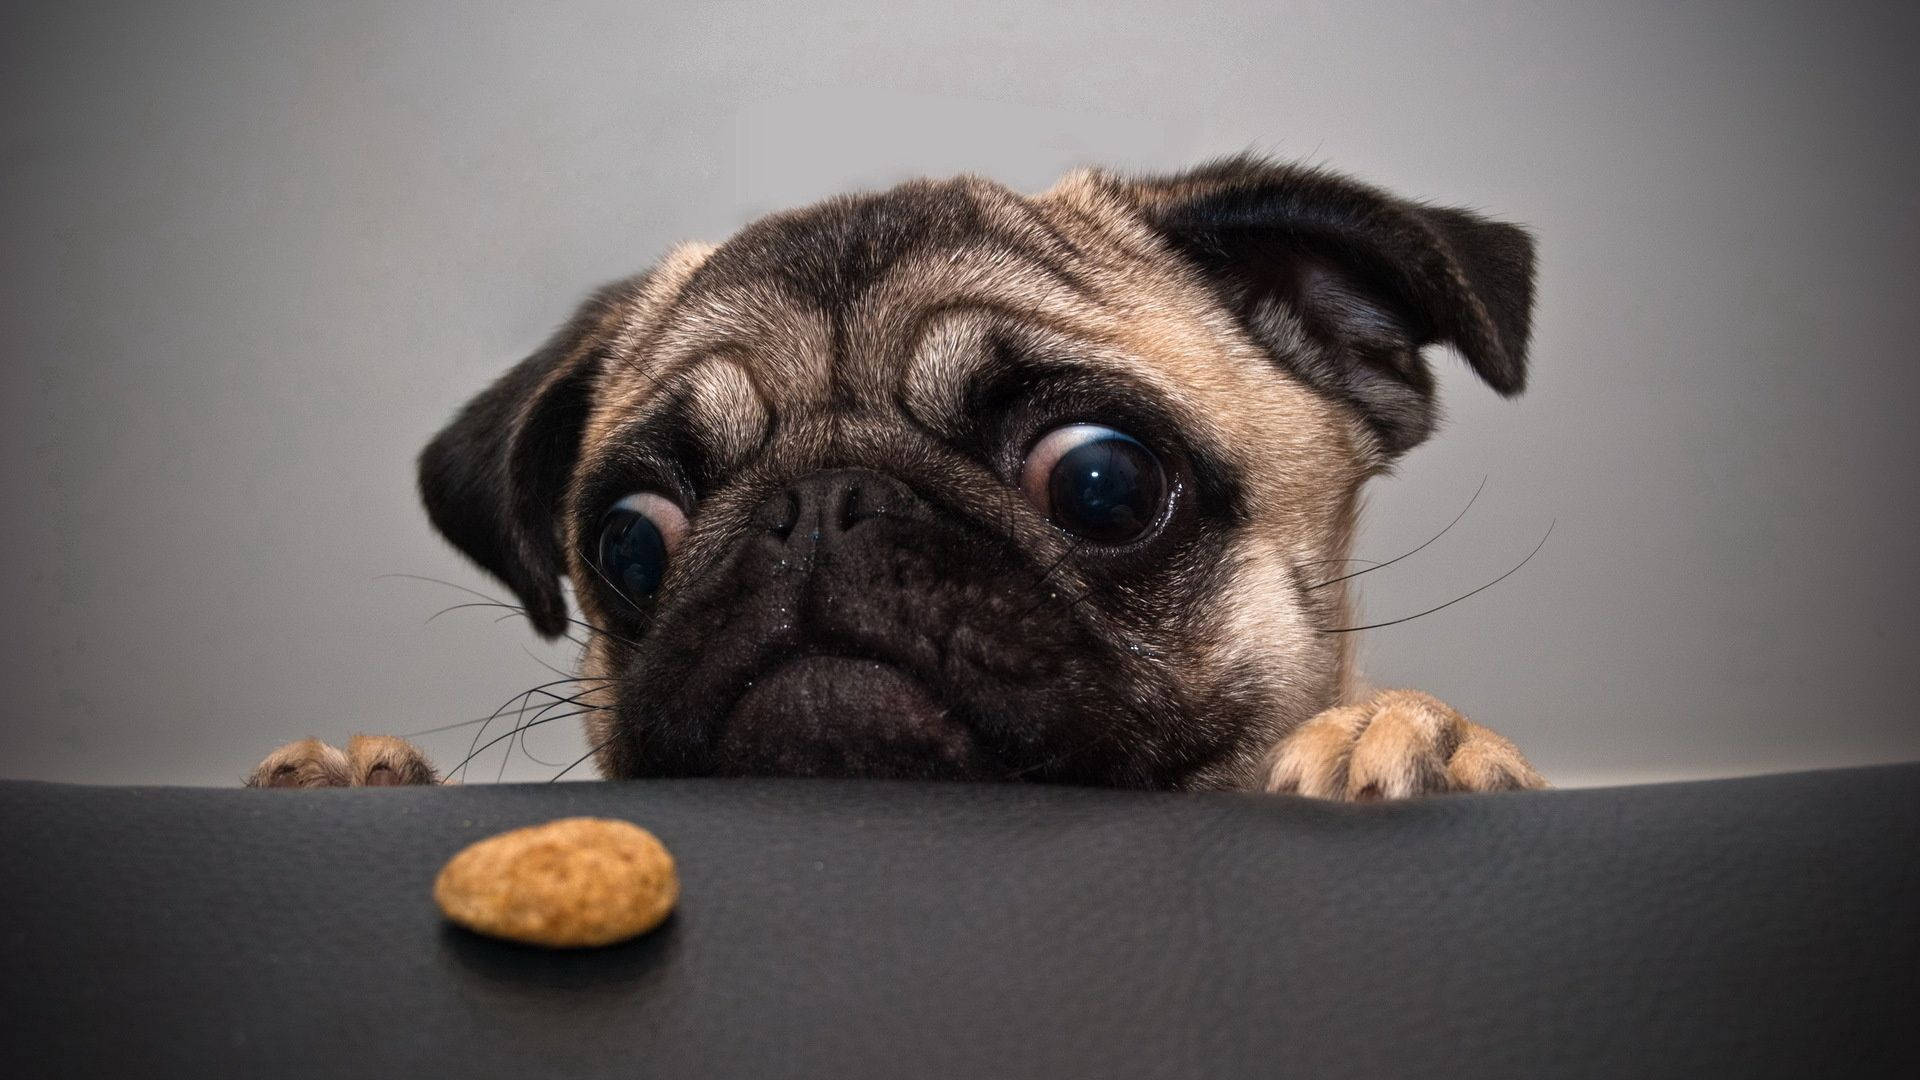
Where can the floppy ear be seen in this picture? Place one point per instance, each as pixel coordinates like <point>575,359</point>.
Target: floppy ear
<point>1344,284</point>
<point>494,478</point>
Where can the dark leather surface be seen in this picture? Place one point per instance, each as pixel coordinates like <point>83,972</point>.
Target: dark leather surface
<point>1748,927</point>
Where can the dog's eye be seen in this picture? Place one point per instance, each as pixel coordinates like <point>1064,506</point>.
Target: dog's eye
<point>1095,482</point>
<point>636,536</point>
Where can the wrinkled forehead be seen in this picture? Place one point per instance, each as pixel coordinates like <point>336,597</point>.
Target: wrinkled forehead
<point>826,305</point>
<point>832,257</point>
<point>899,300</point>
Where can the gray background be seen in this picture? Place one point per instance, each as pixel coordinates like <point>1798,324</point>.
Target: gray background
<point>255,254</point>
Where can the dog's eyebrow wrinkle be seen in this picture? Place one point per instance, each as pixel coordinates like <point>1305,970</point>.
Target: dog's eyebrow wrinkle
<point>944,289</point>
<point>774,337</point>
<point>713,397</point>
<point>726,410</point>
<point>1057,249</point>
<point>830,256</point>
<point>942,362</point>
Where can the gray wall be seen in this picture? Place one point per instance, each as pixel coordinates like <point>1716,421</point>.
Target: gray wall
<point>254,254</point>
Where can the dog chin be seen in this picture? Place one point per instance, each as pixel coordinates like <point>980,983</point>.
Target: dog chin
<point>826,715</point>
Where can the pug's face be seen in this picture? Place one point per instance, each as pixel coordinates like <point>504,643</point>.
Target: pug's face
<point>949,481</point>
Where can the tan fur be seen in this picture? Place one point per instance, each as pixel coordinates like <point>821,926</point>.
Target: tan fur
<point>305,763</point>
<point>386,761</point>
<point>368,761</point>
<point>1394,745</point>
<point>1143,314</point>
<point>752,358</point>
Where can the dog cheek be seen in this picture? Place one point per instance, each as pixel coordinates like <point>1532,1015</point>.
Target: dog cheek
<point>1267,654</point>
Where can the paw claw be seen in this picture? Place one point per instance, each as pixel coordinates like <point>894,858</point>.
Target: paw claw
<point>368,761</point>
<point>1395,745</point>
<point>306,763</point>
<point>385,761</point>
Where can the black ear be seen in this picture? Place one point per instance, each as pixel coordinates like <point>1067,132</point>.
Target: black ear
<point>493,480</point>
<point>1344,284</point>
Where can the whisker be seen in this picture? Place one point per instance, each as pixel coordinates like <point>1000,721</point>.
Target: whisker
<point>497,602</point>
<point>1073,545</point>
<point>456,725</point>
<point>1323,562</point>
<point>517,729</point>
<point>521,723</point>
<point>602,575</point>
<point>575,699</point>
<point>1457,599</point>
<point>526,701</point>
<point>1415,551</point>
<point>516,609</point>
<point>603,681</point>
<point>469,604</point>
<point>481,733</point>
<point>583,757</point>
<point>536,758</point>
<point>495,714</point>
<point>437,581</point>
<point>544,664</point>
<point>632,361</point>
<point>1006,554</point>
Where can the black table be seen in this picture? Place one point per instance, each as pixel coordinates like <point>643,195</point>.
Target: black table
<point>1747,927</point>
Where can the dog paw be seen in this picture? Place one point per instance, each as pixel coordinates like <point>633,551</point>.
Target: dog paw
<point>1394,745</point>
<point>368,761</point>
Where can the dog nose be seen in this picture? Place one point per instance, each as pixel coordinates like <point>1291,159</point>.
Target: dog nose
<point>818,509</point>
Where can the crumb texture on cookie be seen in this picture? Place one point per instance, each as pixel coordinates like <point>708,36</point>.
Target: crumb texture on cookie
<point>570,883</point>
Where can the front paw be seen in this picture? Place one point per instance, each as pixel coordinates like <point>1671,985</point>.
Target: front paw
<point>368,761</point>
<point>1395,745</point>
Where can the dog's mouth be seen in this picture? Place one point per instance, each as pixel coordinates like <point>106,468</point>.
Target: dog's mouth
<point>907,644</point>
<point>834,715</point>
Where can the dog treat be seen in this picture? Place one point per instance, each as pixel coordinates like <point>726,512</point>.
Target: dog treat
<point>570,883</point>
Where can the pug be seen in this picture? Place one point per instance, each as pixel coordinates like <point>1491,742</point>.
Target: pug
<point>953,482</point>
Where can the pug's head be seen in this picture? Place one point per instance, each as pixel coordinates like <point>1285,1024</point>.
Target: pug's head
<point>949,481</point>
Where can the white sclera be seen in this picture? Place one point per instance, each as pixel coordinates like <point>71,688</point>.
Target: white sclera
<point>664,513</point>
<point>1036,473</point>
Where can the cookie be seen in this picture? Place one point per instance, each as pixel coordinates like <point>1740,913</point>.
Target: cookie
<point>570,883</point>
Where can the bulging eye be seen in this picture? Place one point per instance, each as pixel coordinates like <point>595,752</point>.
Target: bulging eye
<point>636,537</point>
<point>1096,482</point>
